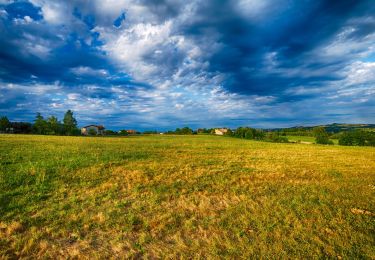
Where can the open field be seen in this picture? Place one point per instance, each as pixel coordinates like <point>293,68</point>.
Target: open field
<point>307,139</point>
<point>184,196</point>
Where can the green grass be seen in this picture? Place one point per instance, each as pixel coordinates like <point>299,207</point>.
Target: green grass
<point>307,139</point>
<point>184,197</point>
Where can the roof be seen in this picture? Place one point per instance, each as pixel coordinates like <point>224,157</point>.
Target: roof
<point>98,126</point>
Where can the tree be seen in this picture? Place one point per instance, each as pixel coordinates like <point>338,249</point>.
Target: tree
<point>321,136</point>
<point>250,133</point>
<point>123,132</point>
<point>357,137</point>
<point>110,132</point>
<point>70,123</point>
<point>276,137</point>
<point>4,123</point>
<point>40,125</point>
<point>183,131</point>
<point>53,125</point>
<point>229,132</point>
<point>186,131</point>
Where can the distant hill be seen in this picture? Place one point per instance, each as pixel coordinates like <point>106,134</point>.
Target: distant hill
<point>333,128</point>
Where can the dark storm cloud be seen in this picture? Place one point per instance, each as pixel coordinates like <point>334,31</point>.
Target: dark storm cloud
<point>295,56</point>
<point>292,34</point>
<point>31,50</point>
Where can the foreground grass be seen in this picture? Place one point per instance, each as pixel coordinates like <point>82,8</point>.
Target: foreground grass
<point>184,196</point>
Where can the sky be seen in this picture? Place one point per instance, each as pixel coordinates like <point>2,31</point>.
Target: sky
<point>162,64</point>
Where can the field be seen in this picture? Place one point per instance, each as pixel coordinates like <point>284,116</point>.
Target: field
<point>306,139</point>
<point>184,197</point>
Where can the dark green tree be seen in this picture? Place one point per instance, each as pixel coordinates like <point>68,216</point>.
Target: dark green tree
<point>357,137</point>
<point>40,125</point>
<point>229,132</point>
<point>186,131</point>
<point>321,135</point>
<point>4,123</point>
<point>70,123</point>
<point>110,132</point>
<point>276,137</point>
<point>53,125</point>
<point>123,132</point>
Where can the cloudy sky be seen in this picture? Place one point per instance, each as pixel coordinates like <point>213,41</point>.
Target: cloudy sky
<point>161,64</point>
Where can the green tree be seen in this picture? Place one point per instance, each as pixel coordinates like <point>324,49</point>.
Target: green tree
<point>183,131</point>
<point>53,125</point>
<point>70,123</point>
<point>229,132</point>
<point>186,131</point>
<point>40,125</point>
<point>123,132</point>
<point>110,132</point>
<point>321,135</point>
<point>276,137</point>
<point>357,137</point>
<point>4,123</point>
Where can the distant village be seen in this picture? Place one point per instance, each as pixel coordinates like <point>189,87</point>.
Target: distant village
<point>68,126</point>
<point>100,130</point>
<point>345,134</point>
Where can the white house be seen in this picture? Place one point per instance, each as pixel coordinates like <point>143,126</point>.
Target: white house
<point>86,130</point>
<point>220,131</point>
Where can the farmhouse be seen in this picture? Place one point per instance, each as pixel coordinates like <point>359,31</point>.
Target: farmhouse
<point>131,132</point>
<point>98,129</point>
<point>220,131</point>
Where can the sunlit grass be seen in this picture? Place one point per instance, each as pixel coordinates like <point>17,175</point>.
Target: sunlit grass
<point>184,196</point>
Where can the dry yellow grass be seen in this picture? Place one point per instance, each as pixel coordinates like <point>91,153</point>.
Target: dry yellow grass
<point>184,197</point>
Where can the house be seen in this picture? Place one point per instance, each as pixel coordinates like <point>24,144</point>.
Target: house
<point>131,132</point>
<point>220,131</point>
<point>90,129</point>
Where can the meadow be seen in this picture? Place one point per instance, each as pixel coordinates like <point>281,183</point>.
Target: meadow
<point>307,139</point>
<point>184,197</point>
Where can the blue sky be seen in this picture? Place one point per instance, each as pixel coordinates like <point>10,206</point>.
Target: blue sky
<point>149,64</point>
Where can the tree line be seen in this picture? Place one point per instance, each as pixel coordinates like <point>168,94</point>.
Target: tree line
<point>42,126</point>
<point>68,126</point>
<point>357,137</point>
<point>256,134</point>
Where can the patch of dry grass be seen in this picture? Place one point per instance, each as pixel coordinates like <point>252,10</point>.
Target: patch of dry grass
<point>184,197</point>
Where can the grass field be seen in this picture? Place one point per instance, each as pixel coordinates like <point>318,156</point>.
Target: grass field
<point>306,139</point>
<point>184,197</point>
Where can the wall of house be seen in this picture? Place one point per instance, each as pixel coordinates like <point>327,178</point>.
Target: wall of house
<point>218,132</point>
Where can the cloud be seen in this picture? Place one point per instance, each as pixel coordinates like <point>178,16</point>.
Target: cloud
<point>162,63</point>
<point>87,71</point>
